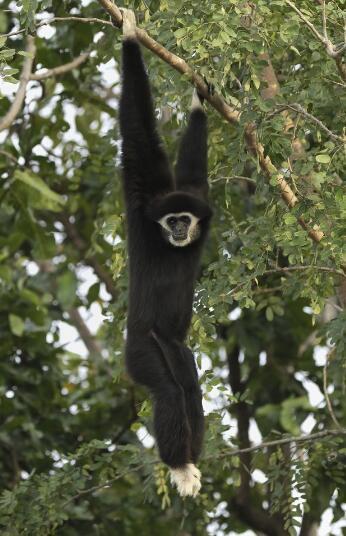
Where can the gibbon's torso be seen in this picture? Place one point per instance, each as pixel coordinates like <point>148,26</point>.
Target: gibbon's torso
<point>160,271</point>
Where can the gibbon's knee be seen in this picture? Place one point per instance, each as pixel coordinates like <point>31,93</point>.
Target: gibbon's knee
<point>188,371</point>
<point>146,365</point>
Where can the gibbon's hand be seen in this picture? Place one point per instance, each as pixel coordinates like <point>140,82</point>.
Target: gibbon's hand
<point>129,22</point>
<point>211,90</point>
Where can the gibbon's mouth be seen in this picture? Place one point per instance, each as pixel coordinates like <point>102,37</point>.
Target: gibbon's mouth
<point>180,237</point>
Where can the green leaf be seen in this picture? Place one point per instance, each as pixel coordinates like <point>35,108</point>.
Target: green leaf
<point>323,158</point>
<point>25,53</point>
<point>269,314</point>
<point>34,181</point>
<point>67,288</point>
<point>16,325</point>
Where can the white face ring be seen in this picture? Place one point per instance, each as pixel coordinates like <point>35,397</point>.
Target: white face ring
<point>193,231</point>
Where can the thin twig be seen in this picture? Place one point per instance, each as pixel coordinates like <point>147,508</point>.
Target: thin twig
<point>61,19</point>
<point>288,269</point>
<point>231,452</point>
<point>18,101</point>
<point>302,268</point>
<point>235,177</point>
<point>108,482</point>
<point>61,69</point>
<point>325,391</point>
<point>283,441</point>
<point>299,109</point>
<point>9,156</point>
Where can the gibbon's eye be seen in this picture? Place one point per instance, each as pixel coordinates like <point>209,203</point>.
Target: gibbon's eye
<point>172,220</point>
<point>185,219</point>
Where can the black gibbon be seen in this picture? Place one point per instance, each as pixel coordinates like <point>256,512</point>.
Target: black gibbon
<point>168,218</point>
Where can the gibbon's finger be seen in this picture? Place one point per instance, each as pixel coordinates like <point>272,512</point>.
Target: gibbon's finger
<point>129,22</point>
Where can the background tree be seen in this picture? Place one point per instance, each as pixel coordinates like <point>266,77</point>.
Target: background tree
<point>269,327</point>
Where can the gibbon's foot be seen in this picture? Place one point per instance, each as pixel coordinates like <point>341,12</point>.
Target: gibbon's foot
<point>129,23</point>
<point>187,479</point>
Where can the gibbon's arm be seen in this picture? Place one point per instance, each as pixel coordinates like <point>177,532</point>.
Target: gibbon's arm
<point>144,160</point>
<point>192,169</point>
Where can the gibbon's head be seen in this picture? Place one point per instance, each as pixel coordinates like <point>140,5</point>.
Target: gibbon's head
<point>180,228</point>
<point>181,217</point>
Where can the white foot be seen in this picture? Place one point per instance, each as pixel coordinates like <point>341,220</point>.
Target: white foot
<point>187,479</point>
<point>129,23</point>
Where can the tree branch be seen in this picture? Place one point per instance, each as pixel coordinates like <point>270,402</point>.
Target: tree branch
<point>332,51</point>
<point>299,109</point>
<point>61,19</point>
<point>255,516</point>
<point>229,113</point>
<point>271,528</point>
<point>289,269</point>
<point>17,103</point>
<point>243,421</point>
<point>89,340</point>
<point>325,392</point>
<point>92,261</point>
<point>61,69</point>
<point>306,21</point>
<point>284,441</point>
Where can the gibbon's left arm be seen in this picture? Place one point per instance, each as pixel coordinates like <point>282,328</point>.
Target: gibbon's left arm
<point>191,170</point>
<point>145,163</point>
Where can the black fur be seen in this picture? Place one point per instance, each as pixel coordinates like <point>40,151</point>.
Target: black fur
<point>162,276</point>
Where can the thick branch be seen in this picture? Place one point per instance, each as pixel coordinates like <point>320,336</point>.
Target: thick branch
<point>270,171</point>
<point>93,345</point>
<point>307,22</point>
<point>255,516</point>
<point>177,63</point>
<point>89,340</point>
<point>17,103</point>
<point>61,69</point>
<point>230,114</point>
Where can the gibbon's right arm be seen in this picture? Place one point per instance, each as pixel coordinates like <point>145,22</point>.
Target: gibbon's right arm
<point>145,164</point>
<point>191,170</point>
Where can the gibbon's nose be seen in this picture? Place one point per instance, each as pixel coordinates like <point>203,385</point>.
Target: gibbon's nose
<point>180,230</point>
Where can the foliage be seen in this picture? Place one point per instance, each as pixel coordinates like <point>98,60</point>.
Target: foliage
<point>72,455</point>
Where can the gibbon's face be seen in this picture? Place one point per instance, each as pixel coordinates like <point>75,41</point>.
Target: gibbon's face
<point>180,228</point>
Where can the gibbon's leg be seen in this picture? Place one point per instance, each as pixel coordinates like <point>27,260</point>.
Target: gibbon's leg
<point>194,407</point>
<point>147,366</point>
<point>181,363</point>
<point>192,168</point>
<point>144,159</point>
